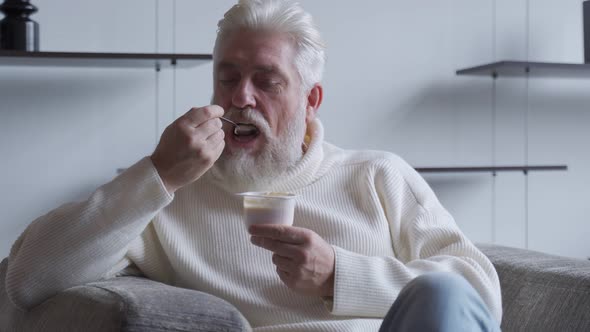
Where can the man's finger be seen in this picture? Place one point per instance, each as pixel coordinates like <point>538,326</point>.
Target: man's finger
<point>284,276</point>
<point>216,137</point>
<point>207,128</point>
<point>278,247</point>
<point>283,233</point>
<point>199,115</point>
<point>283,263</point>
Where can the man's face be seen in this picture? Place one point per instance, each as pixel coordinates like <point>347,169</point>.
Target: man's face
<point>256,82</point>
<point>255,70</point>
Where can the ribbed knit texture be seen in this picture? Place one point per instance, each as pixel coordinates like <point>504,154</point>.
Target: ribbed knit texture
<point>383,220</point>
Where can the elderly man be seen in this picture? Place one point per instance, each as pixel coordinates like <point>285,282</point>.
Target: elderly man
<point>370,248</point>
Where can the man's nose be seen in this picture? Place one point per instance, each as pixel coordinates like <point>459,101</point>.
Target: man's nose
<point>243,96</point>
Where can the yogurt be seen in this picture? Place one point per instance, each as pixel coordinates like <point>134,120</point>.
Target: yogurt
<point>268,208</point>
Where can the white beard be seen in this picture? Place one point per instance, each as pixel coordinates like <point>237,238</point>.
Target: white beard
<point>240,169</point>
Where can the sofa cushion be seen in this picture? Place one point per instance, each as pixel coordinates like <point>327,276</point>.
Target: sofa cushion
<point>541,292</point>
<point>91,308</point>
<point>153,306</point>
<point>128,304</point>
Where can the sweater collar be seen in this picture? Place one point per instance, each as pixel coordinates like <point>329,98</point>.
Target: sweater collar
<point>297,176</point>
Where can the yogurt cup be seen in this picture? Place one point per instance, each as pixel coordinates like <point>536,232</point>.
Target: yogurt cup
<point>268,208</point>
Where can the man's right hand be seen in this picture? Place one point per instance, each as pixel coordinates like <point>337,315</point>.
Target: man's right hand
<point>189,147</point>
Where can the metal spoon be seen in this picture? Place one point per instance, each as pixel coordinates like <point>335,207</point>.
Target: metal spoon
<point>241,128</point>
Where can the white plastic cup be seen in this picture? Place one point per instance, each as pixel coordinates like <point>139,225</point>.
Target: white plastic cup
<point>268,208</point>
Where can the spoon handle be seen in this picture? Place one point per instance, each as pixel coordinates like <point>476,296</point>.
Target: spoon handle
<point>229,121</point>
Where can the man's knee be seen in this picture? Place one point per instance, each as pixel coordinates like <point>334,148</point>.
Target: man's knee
<point>444,297</point>
<point>440,286</point>
<point>438,301</point>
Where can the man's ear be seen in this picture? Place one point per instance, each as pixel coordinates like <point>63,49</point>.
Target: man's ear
<point>314,100</point>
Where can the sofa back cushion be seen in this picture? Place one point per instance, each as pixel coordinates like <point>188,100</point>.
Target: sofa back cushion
<point>541,292</point>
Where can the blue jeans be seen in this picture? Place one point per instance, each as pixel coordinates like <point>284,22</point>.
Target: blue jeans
<point>439,302</point>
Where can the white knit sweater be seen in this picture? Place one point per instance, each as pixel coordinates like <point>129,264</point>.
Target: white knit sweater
<point>383,220</point>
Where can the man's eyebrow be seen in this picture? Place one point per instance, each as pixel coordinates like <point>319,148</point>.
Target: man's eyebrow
<point>272,70</point>
<point>267,69</point>
<point>226,65</point>
<point>262,68</point>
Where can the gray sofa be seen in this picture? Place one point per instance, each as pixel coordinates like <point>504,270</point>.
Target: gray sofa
<point>540,293</point>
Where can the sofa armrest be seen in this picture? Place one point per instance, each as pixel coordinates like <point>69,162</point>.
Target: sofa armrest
<point>541,292</point>
<point>123,304</point>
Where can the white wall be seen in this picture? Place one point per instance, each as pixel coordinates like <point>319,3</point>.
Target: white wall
<point>389,84</point>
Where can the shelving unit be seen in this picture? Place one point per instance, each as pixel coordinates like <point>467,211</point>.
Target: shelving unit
<point>508,68</point>
<point>102,60</point>
<point>526,70</point>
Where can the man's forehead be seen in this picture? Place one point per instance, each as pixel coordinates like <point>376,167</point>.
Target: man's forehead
<point>260,67</point>
<point>264,50</point>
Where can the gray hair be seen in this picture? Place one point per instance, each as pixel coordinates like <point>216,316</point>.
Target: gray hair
<point>283,16</point>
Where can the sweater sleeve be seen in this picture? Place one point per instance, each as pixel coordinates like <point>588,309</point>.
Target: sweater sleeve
<point>424,238</point>
<point>84,241</point>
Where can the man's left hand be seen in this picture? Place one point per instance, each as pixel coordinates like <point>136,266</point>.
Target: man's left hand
<point>304,261</point>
